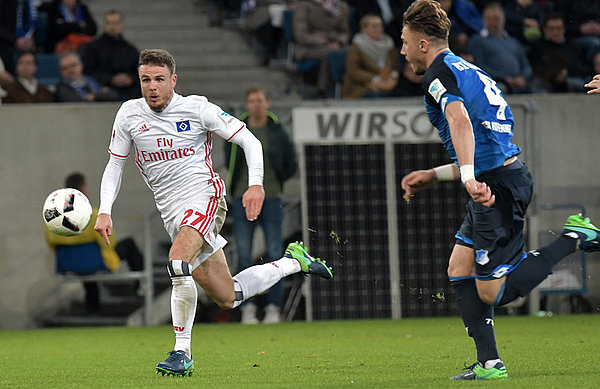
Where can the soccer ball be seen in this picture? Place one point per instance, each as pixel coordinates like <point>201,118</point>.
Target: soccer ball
<point>67,212</point>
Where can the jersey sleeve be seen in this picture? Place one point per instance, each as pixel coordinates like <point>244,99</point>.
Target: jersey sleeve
<point>441,86</point>
<point>220,122</point>
<point>120,141</point>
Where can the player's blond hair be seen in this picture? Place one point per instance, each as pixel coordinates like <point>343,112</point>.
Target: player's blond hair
<point>428,18</point>
<point>158,57</point>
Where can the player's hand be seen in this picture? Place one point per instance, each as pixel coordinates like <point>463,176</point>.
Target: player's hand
<point>104,226</point>
<point>416,181</point>
<point>252,200</point>
<point>594,85</point>
<point>480,192</point>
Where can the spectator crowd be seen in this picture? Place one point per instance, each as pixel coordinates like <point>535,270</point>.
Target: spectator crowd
<point>527,46</point>
<point>42,36</point>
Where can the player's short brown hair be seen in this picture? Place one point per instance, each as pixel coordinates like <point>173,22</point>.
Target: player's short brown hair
<point>158,57</point>
<point>256,89</point>
<point>428,18</point>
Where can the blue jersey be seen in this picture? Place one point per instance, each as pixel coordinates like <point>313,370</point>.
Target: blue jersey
<point>450,78</point>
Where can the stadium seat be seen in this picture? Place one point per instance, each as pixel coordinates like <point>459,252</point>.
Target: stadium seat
<point>48,72</point>
<point>337,64</point>
<point>80,259</point>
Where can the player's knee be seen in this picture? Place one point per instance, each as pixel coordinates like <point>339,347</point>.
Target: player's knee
<point>225,304</point>
<point>457,269</point>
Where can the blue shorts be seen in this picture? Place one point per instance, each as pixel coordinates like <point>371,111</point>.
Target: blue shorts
<point>496,233</point>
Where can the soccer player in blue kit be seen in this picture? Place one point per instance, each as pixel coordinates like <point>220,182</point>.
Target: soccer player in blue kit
<point>488,266</point>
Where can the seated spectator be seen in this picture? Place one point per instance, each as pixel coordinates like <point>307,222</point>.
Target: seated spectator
<point>372,62</point>
<point>267,30</point>
<point>596,64</point>
<point>583,24</point>
<point>555,62</point>
<point>409,84</point>
<point>17,28</point>
<point>4,78</point>
<point>390,11</point>
<point>499,54</point>
<point>70,25</point>
<point>321,26</point>
<point>466,21</point>
<point>523,19</point>
<point>25,88</point>
<point>111,60</point>
<point>110,255</point>
<point>76,86</point>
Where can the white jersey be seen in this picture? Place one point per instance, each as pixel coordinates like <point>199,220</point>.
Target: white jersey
<point>173,147</point>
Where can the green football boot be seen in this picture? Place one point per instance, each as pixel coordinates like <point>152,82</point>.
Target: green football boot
<point>585,230</point>
<point>308,264</point>
<point>177,364</point>
<point>478,372</point>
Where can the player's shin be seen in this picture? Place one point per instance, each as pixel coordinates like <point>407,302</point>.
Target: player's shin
<point>257,279</point>
<point>536,266</point>
<point>184,298</point>
<point>478,318</point>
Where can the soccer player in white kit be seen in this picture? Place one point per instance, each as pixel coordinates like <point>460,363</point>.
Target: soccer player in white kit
<point>171,137</point>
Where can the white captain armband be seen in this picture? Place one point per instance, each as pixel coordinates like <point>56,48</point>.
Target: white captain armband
<point>445,172</point>
<point>467,172</point>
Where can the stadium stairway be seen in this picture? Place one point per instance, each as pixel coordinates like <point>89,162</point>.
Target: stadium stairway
<point>216,62</point>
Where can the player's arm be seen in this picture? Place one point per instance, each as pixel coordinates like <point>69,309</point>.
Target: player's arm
<point>109,188</point>
<point>253,198</point>
<point>463,140</point>
<point>120,144</point>
<point>594,85</point>
<point>418,180</point>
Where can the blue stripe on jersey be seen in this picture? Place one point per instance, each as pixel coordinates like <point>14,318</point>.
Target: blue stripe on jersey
<point>490,115</point>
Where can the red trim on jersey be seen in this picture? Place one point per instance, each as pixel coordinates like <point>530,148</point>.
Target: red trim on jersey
<point>139,164</point>
<point>117,155</point>
<point>217,183</point>
<point>243,125</point>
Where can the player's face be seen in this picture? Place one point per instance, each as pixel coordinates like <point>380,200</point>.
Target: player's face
<point>411,50</point>
<point>157,86</point>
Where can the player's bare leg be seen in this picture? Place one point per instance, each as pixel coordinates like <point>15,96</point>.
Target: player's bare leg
<point>214,277</point>
<point>184,296</point>
<point>477,316</point>
<point>229,292</point>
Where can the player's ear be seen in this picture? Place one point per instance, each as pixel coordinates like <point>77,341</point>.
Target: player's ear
<point>423,46</point>
<point>174,80</point>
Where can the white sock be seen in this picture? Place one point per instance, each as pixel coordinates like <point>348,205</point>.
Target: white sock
<point>491,363</point>
<point>184,297</point>
<point>259,278</point>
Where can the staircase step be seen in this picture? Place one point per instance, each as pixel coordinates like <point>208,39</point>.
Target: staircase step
<point>84,321</point>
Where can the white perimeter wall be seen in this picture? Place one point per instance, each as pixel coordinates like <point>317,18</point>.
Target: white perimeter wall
<point>40,144</point>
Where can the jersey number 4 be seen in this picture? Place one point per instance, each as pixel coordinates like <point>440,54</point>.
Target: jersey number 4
<point>192,218</point>
<point>494,95</point>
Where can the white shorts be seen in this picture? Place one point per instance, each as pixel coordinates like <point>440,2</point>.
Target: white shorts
<point>205,214</point>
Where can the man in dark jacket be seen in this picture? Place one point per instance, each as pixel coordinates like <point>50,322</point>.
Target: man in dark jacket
<point>111,60</point>
<point>279,165</point>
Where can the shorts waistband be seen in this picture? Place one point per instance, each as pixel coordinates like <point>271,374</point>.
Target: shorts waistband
<point>510,164</point>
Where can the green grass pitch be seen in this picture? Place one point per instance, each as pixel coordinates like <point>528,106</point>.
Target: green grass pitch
<point>539,352</point>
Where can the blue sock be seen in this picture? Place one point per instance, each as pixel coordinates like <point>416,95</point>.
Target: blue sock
<point>535,268</point>
<point>478,318</point>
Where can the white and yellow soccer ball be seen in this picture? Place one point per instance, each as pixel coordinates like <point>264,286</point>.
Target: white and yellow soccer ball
<point>67,212</point>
